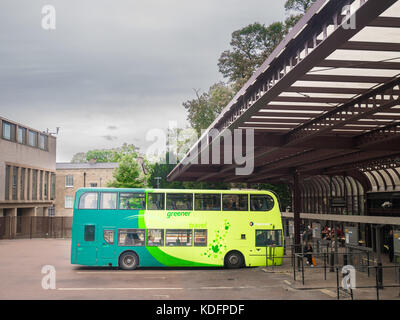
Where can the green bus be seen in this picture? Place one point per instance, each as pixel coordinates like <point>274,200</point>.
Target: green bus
<point>128,228</point>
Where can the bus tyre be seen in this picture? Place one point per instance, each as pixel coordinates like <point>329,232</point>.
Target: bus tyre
<point>129,261</point>
<point>234,260</point>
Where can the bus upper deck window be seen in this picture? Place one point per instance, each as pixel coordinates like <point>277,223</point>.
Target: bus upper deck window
<point>88,200</point>
<point>235,202</point>
<point>179,201</point>
<point>261,202</point>
<point>207,202</point>
<point>132,201</point>
<point>108,201</point>
<point>155,201</point>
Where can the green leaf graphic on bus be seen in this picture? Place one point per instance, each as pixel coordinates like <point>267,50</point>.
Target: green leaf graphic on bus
<point>219,242</point>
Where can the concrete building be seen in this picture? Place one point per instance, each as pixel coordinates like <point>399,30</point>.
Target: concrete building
<point>27,172</point>
<point>72,176</point>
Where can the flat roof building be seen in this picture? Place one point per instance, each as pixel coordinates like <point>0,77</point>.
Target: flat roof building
<point>27,172</point>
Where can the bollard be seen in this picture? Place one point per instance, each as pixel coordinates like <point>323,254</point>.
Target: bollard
<point>332,262</point>
<point>379,275</point>
<point>377,283</point>
<point>325,258</point>
<point>337,283</point>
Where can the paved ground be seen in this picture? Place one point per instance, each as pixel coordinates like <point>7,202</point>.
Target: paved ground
<point>21,278</point>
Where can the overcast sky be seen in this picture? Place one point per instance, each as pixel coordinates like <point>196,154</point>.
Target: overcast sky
<point>114,69</point>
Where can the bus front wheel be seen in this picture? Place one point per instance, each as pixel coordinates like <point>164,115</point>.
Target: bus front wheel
<point>234,260</point>
<point>129,261</point>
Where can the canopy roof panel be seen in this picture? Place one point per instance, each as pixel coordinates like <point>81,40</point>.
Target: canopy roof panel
<point>326,101</point>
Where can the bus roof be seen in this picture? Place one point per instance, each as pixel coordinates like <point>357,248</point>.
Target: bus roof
<point>151,190</point>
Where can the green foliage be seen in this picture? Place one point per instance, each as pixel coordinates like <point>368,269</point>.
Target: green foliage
<point>162,171</point>
<point>203,110</point>
<point>250,47</point>
<point>105,155</point>
<point>298,5</point>
<point>129,173</point>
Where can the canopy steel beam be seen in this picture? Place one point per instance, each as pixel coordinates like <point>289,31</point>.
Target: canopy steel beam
<point>290,62</point>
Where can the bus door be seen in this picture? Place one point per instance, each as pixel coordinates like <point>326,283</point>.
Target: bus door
<point>87,245</point>
<point>108,243</point>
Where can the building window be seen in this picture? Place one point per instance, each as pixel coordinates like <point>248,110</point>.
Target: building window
<point>8,131</point>
<point>7,188</point>
<point>41,186</point>
<point>21,136</point>
<point>34,184</point>
<point>53,187</point>
<point>14,183</point>
<point>69,202</point>
<point>43,142</point>
<point>46,186</point>
<point>32,138</point>
<point>93,185</point>
<point>28,184</point>
<point>69,180</point>
<point>22,184</point>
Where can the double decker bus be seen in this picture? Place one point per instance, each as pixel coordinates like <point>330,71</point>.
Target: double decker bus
<point>128,228</point>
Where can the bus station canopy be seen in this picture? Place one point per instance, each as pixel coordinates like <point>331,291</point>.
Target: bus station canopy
<point>326,102</point>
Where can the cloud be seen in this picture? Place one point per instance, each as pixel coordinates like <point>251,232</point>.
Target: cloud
<point>126,66</point>
<point>110,138</point>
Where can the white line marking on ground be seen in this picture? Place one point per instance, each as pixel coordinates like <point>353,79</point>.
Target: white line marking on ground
<point>287,282</point>
<point>115,289</point>
<point>329,293</point>
<point>223,288</point>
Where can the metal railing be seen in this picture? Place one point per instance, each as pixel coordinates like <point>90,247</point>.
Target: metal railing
<point>18,227</point>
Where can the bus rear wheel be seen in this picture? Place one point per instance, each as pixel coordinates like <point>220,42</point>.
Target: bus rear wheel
<point>129,261</point>
<point>234,260</point>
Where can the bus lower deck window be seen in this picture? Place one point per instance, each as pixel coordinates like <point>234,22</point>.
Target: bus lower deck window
<point>89,233</point>
<point>155,237</point>
<point>131,237</point>
<point>268,238</point>
<point>178,238</point>
<point>200,238</point>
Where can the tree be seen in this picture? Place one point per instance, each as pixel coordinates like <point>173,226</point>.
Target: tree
<point>105,155</point>
<point>250,47</point>
<point>203,110</point>
<point>129,173</point>
<point>298,5</point>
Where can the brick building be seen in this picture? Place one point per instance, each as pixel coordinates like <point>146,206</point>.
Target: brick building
<point>72,176</point>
